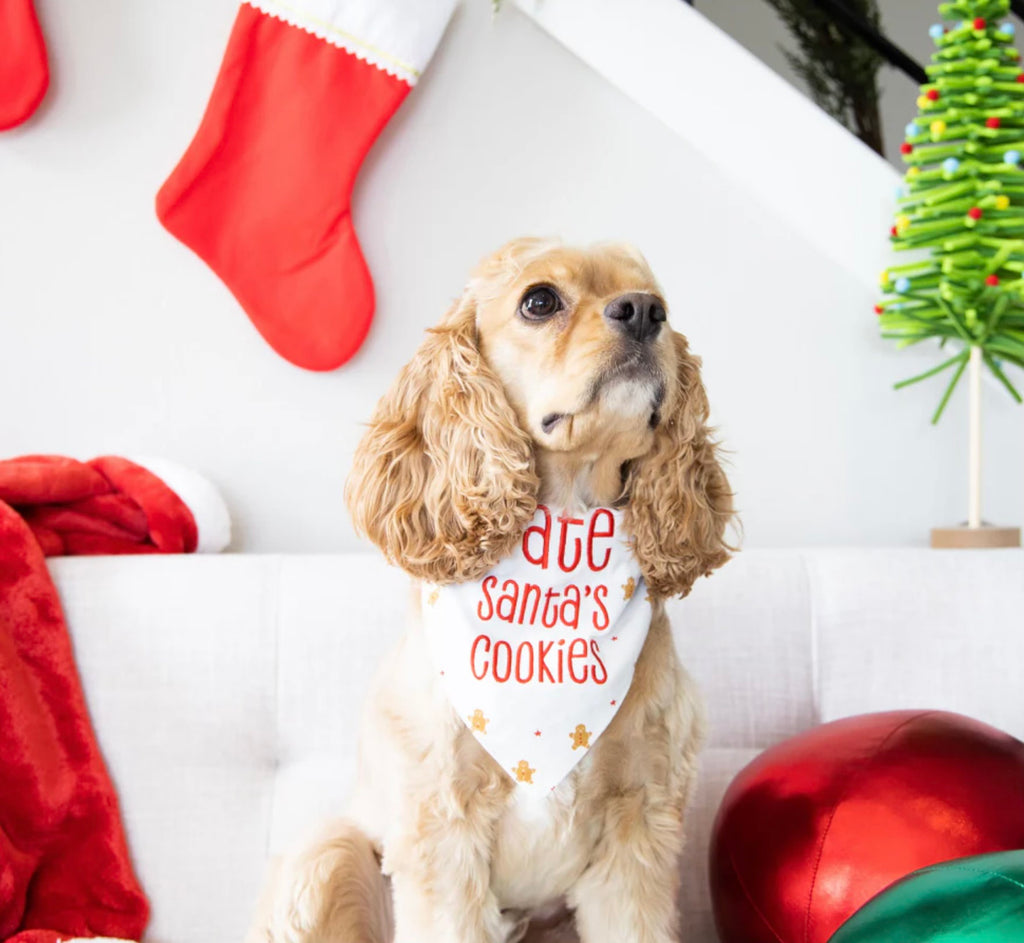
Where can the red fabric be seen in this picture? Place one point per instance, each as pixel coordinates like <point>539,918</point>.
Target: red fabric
<point>64,863</point>
<point>84,545</point>
<point>817,825</point>
<point>262,194</point>
<point>63,520</point>
<point>172,528</point>
<point>24,74</point>
<point>108,505</point>
<point>48,479</point>
<point>118,509</point>
<point>36,936</point>
<point>50,542</point>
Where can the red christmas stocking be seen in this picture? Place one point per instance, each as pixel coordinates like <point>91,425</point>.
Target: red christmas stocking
<point>262,193</point>
<point>23,71</point>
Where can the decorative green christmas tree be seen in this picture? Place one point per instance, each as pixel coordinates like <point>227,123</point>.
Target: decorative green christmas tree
<point>962,205</point>
<point>961,218</point>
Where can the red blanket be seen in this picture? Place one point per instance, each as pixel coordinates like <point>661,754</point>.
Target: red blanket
<point>107,505</point>
<point>64,865</point>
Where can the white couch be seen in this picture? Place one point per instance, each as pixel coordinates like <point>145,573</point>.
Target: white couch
<point>225,689</point>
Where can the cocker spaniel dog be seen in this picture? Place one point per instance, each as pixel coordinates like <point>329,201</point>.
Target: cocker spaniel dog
<point>544,469</point>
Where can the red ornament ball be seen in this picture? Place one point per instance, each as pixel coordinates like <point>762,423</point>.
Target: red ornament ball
<point>992,280</point>
<point>932,94</point>
<point>892,231</point>
<point>906,147</point>
<point>879,309</point>
<point>820,823</point>
<point>975,212</point>
<point>979,23</point>
<point>992,122</point>
<point>1020,78</point>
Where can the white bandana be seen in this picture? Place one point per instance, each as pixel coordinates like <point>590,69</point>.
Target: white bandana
<point>537,656</point>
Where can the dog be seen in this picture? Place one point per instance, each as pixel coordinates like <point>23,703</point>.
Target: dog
<point>555,382</point>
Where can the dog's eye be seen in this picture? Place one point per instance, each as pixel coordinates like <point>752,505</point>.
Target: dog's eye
<point>539,303</point>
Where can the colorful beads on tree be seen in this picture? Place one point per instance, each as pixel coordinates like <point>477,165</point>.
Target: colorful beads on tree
<point>961,212</point>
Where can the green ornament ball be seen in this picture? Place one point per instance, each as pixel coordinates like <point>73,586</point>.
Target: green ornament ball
<point>967,900</point>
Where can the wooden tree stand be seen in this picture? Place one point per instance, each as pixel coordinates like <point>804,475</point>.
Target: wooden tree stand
<point>974,534</point>
<point>965,537</point>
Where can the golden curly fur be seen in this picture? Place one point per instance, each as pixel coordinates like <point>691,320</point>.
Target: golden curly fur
<point>446,478</point>
<point>496,412</point>
<point>444,481</point>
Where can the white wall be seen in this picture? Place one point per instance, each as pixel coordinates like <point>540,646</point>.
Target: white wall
<point>113,337</point>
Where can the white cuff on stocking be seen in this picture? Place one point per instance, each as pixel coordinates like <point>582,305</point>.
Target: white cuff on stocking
<point>398,36</point>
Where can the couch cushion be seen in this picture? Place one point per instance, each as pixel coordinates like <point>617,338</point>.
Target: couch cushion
<point>901,628</point>
<point>745,635</point>
<point>178,661</point>
<point>337,618</point>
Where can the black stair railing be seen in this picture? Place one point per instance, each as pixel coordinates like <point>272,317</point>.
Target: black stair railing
<point>855,23</point>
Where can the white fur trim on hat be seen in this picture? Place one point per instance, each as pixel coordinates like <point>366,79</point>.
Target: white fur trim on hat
<point>213,522</point>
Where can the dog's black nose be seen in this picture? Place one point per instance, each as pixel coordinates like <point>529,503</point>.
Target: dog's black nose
<point>639,314</point>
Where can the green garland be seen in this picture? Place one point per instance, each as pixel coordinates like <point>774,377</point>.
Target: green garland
<point>962,205</point>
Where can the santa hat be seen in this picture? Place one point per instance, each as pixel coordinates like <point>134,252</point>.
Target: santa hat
<point>115,505</point>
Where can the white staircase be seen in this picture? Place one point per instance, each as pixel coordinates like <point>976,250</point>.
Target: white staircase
<point>787,152</point>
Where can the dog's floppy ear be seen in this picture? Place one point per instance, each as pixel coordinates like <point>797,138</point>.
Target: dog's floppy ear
<point>443,481</point>
<point>679,498</point>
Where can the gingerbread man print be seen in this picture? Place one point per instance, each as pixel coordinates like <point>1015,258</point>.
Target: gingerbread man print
<point>580,737</point>
<point>523,772</point>
<point>477,721</point>
<point>628,587</point>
